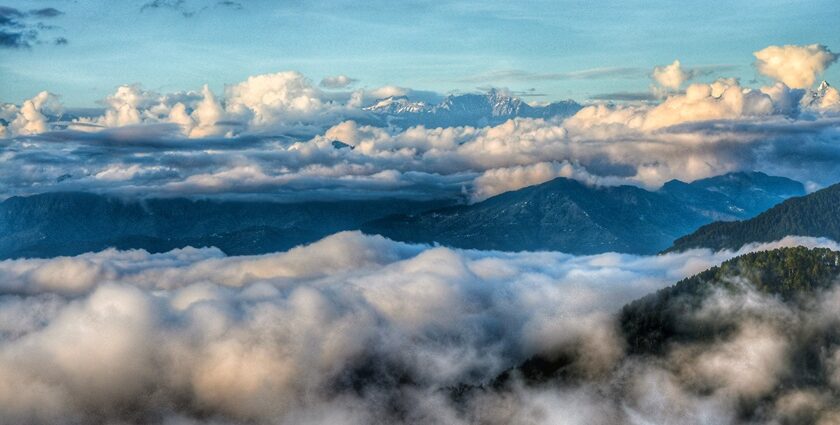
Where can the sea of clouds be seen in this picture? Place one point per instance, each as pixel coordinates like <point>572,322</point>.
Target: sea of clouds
<point>360,329</point>
<point>272,135</point>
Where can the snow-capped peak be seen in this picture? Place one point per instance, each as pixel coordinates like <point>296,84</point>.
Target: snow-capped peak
<point>823,87</point>
<point>397,105</point>
<point>824,97</point>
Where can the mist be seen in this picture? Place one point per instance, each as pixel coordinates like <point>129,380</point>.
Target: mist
<point>361,329</point>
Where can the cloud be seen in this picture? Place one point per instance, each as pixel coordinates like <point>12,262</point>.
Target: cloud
<point>15,39</point>
<point>389,91</point>
<point>18,32</point>
<point>47,12</point>
<point>266,100</point>
<point>189,9</point>
<point>230,4</point>
<point>795,66</point>
<point>175,5</point>
<point>283,102</point>
<point>499,180</point>
<point>337,82</point>
<point>281,130</point>
<point>723,99</point>
<point>354,329</point>
<point>644,145</point>
<point>672,76</point>
<point>30,117</point>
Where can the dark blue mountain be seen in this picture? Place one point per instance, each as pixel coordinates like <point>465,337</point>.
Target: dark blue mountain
<point>815,214</point>
<point>734,196</point>
<point>566,215</point>
<point>53,224</point>
<point>562,214</point>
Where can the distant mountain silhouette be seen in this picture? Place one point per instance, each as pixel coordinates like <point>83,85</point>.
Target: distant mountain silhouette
<point>53,224</point>
<point>562,214</point>
<point>817,214</point>
<point>569,216</point>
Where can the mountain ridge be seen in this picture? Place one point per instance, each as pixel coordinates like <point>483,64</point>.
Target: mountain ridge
<point>809,215</point>
<point>569,216</point>
<point>491,108</point>
<point>70,223</point>
<point>563,214</point>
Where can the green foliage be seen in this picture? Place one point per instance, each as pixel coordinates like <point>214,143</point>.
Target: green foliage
<point>668,318</point>
<point>652,322</point>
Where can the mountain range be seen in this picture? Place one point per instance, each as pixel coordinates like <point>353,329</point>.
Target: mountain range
<point>478,110</point>
<point>703,321</point>
<point>814,215</point>
<point>561,214</point>
<point>570,216</point>
<point>72,223</point>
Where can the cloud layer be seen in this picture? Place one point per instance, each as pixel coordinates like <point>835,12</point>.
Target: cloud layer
<point>351,329</point>
<point>273,135</point>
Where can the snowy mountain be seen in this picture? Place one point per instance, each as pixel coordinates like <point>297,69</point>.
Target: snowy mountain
<point>569,216</point>
<point>398,105</point>
<point>491,108</point>
<point>824,97</point>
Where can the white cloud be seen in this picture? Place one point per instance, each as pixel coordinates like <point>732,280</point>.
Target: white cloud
<point>206,116</point>
<point>124,106</point>
<point>29,118</point>
<point>389,91</point>
<point>671,76</point>
<point>262,103</point>
<point>337,82</point>
<point>721,100</point>
<point>796,66</point>
<point>710,129</point>
<point>284,338</point>
<point>266,99</point>
<point>499,180</point>
<point>602,144</point>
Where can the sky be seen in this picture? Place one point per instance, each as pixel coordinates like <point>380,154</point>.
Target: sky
<point>547,49</point>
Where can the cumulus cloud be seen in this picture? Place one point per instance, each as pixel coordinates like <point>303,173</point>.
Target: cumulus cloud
<point>602,144</point>
<point>268,103</point>
<point>204,120</point>
<point>282,130</point>
<point>796,66</point>
<point>353,329</point>
<point>31,116</point>
<point>671,76</point>
<point>263,99</point>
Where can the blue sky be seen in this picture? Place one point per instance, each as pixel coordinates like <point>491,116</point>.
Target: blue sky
<point>545,48</point>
